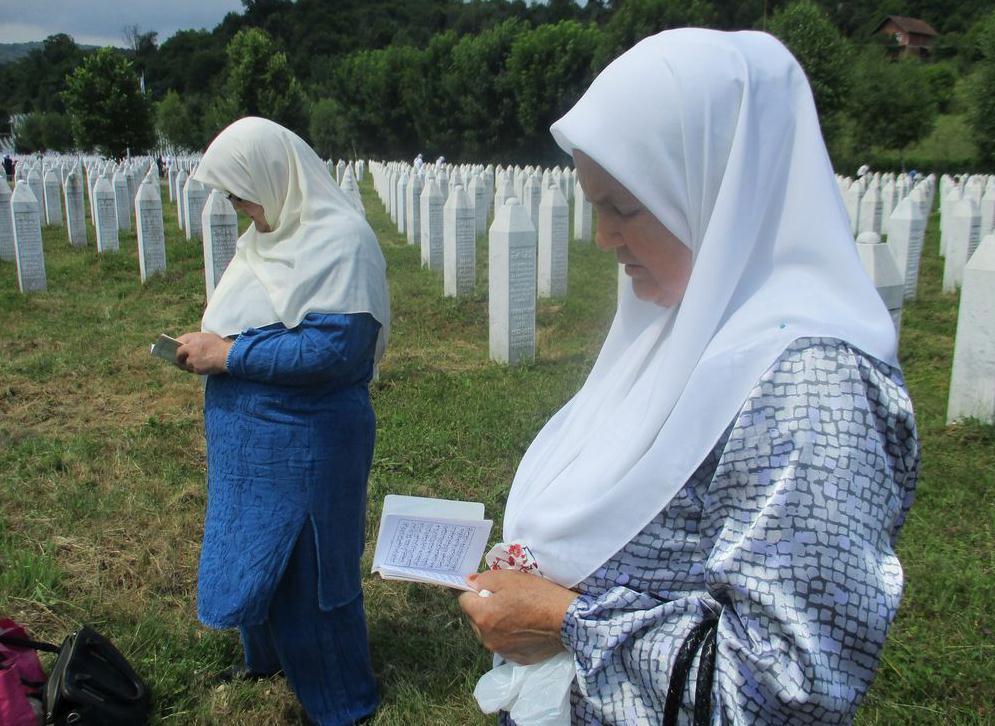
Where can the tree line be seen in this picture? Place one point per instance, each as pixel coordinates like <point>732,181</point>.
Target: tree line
<point>479,80</point>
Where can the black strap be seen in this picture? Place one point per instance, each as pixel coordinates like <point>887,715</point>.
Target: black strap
<point>706,675</point>
<point>26,643</point>
<point>682,666</point>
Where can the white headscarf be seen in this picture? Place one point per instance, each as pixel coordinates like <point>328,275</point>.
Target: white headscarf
<point>320,255</point>
<point>717,135</point>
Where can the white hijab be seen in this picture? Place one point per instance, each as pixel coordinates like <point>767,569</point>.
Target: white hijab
<point>717,135</point>
<point>320,255</point>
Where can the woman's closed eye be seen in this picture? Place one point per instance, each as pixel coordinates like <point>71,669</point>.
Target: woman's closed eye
<point>620,211</point>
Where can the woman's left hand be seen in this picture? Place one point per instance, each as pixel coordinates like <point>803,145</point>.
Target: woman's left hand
<point>521,619</point>
<point>203,353</point>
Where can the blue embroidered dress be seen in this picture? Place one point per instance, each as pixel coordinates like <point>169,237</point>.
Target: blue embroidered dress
<point>787,529</point>
<point>290,433</point>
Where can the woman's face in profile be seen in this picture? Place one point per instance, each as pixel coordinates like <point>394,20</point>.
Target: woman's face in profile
<point>253,211</point>
<point>658,263</point>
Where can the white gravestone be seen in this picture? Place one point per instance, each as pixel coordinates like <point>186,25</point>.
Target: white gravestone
<point>412,207</point>
<point>906,232</point>
<point>92,172</point>
<point>75,213</point>
<point>502,191</point>
<point>443,180</point>
<point>53,198</point>
<point>952,196</point>
<point>511,285</point>
<point>122,199</point>
<point>880,266</point>
<point>987,210</point>
<point>459,232</point>
<point>431,225</point>
<point>972,379</point>
<point>478,195</point>
<point>851,198</point>
<point>870,211</point>
<point>105,210</point>
<point>151,236</point>
<point>194,199</point>
<point>554,222</point>
<point>38,190</point>
<point>583,216</point>
<point>401,203</point>
<point>27,239</point>
<point>220,225</point>
<point>888,200</point>
<point>532,194</point>
<point>962,239</point>
<point>6,223</point>
<point>181,182</point>
<point>171,180</point>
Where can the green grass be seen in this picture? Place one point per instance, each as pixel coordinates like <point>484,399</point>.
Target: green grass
<point>102,478</point>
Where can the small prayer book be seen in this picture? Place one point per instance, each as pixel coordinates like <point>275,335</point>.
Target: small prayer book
<point>435,541</point>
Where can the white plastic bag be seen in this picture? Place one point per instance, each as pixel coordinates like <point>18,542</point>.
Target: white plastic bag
<point>533,695</point>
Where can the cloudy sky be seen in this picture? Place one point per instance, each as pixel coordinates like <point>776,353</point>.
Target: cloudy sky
<point>102,22</point>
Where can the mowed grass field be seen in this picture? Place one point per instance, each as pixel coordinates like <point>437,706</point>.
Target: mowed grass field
<point>102,478</point>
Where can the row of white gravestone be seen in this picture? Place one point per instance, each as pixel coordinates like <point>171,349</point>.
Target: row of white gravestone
<point>212,218</point>
<point>527,245</point>
<point>967,214</point>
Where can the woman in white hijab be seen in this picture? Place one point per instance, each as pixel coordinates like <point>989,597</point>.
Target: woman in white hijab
<point>289,342</point>
<point>715,511</point>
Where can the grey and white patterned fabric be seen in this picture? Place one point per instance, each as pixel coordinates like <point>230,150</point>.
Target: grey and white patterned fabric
<point>787,530</point>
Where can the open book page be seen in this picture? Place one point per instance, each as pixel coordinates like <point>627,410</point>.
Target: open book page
<point>431,549</point>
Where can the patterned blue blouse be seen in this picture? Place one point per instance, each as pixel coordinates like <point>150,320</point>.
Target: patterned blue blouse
<point>787,530</point>
<point>290,433</point>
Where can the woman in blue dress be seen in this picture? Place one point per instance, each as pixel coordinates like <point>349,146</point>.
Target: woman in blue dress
<point>288,343</point>
<point>715,511</point>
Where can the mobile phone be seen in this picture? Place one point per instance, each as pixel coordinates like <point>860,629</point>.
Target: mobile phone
<point>165,347</point>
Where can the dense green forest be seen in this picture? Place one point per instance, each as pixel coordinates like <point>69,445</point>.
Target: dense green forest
<point>482,80</point>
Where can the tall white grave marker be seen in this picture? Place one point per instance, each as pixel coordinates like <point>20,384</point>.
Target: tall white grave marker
<point>512,284</point>
<point>431,225</point>
<point>459,242</point>
<point>962,239</point>
<point>171,180</point>
<point>6,223</point>
<point>194,199</point>
<point>27,239</point>
<point>554,222</point>
<point>181,183</point>
<point>53,198</point>
<point>75,213</point>
<point>151,236</point>
<point>906,231</point>
<point>401,203</point>
<point>122,199</point>
<point>412,207</point>
<point>478,195</point>
<point>870,211</point>
<point>988,209</point>
<point>532,196</point>
<point>38,190</point>
<point>972,379</point>
<point>106,214</point>
<point>220,225</point>
<point>881,268</point>
<point>583,215</point>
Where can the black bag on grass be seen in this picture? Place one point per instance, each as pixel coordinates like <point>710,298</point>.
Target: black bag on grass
<point>91,683</point>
